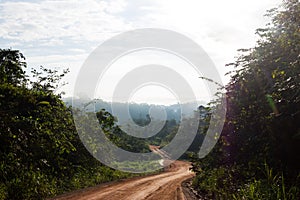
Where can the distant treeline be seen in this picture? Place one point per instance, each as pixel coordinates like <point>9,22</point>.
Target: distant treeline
<point>137,111</point>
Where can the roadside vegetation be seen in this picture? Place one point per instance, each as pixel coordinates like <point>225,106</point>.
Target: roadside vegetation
<point>257,155</point>
<point>41,154</point>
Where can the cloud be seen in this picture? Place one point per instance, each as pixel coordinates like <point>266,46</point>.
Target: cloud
<point>220,27</point>
<point>66,23</point>
<point>51,20</point>
<point>64,32</point>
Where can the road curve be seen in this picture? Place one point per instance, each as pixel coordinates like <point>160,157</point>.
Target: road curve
<point>164,186</point>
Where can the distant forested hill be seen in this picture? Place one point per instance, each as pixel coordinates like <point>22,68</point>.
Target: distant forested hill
<point>137,111</point>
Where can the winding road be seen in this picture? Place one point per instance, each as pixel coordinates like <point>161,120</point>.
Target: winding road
<point>163,186</point>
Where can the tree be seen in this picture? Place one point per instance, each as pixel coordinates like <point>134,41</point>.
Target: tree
<point>260,141</point>
<point>266,87</point>
<point>36,130</point>
<point>41,154</point>
<point>11,64</point>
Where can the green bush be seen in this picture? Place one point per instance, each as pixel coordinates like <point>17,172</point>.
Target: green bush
<point>3,191</point>
<point>223,183</point>
<point>31,185</point>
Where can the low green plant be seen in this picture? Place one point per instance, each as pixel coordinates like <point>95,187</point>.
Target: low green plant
<point>235,183</point>
<point>272,186</point>
<point>3,191</point>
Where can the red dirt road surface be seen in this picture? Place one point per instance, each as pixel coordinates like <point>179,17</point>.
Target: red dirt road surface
<point>164,186</point>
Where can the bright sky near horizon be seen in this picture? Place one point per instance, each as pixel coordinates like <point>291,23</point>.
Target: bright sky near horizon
<point>62,33</point>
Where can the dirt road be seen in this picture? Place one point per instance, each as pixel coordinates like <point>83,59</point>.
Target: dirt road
<point>164,186</point>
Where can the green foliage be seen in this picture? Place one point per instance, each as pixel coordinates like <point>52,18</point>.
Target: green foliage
<point>41,154</point>
<point>266,87</point>
<point>31,185</point>
<point>11,67</point>
<point>3,191</point>
<point>134,144</point>
<point>216,183</point>
<point>270,187</point>
<point>147,167</point>
<point>262,119</point>
<point>234,183</point>
<point>115,134</point>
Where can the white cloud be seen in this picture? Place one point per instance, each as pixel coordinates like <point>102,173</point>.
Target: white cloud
<point>220,27</point>
<point>64,32</point>
<point>79,20</point>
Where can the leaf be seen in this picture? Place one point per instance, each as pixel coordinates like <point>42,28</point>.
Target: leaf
<point>43,103</point>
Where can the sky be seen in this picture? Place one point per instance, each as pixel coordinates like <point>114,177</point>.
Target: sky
<point>62,33</point>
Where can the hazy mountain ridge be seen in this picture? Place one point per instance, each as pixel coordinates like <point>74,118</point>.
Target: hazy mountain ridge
<point>138,111</point>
